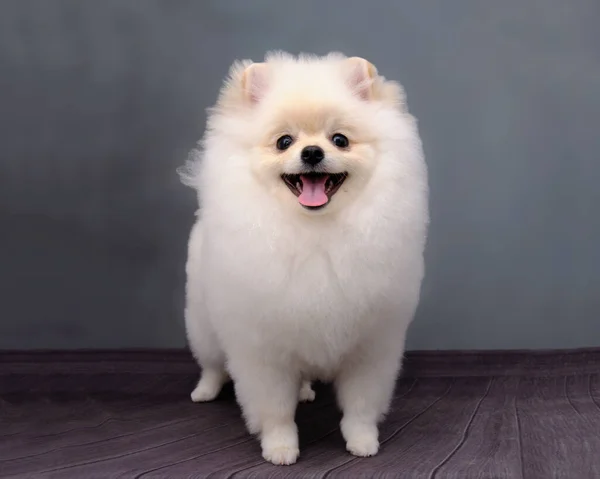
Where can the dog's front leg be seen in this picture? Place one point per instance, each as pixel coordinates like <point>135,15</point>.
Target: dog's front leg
<point>365,387</point>
<point>268,396</point>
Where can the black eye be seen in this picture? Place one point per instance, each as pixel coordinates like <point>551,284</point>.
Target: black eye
<point>284,142</point>
<point>340,140</point>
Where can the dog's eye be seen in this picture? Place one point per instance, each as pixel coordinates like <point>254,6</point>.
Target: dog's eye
<point>340,140</point>
<point>284,142</point>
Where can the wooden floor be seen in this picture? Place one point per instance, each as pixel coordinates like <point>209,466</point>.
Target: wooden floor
<point>455,415</point>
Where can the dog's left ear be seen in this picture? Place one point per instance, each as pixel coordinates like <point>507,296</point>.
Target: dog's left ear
<point>255,81</point>
<point>360,75</point>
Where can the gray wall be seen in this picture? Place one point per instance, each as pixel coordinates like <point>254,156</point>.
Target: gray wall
<point>100,100</point>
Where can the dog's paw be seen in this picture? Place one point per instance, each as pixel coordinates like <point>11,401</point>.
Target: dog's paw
<point>205,392</point>
<point>281,455</point>
<point>208,387</point>
<point>280,445</point>
<point>307,393</point>
<point>363,446</point>
<point>362,439</point>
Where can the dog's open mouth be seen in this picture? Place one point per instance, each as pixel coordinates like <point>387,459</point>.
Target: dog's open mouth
<point>314,190</point>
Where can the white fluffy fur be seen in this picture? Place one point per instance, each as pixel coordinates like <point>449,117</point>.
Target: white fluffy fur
<point>277,295</point>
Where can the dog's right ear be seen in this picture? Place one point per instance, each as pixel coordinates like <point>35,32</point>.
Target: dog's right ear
<point>360,76</point>
<point>255,82</point>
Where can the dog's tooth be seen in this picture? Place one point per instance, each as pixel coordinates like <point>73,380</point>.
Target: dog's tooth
<point>299,185</point>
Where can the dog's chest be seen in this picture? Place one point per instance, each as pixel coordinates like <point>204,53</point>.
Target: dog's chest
<point>321,297</point>
<point>319,280</point>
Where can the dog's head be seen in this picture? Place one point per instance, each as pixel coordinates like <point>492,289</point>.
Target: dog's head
<point>311,130</point>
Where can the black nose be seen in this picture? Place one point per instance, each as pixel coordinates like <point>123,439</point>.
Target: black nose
<point>312,155</point>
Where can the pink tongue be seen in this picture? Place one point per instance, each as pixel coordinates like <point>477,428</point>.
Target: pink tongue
<point>313,191</point>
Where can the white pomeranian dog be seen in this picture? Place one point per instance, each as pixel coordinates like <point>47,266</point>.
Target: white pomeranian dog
<point>306,260</point>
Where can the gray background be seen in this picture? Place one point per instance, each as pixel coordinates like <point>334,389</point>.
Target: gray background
<point>100,100</point>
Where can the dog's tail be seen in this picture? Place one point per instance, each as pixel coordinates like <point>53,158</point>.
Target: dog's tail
<point>190,171</point>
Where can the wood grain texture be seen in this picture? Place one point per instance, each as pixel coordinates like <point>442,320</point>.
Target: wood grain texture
<point>128,414</point>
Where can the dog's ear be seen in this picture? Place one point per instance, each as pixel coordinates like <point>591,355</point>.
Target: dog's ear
<point>360,75</point>
<point>255,82</point>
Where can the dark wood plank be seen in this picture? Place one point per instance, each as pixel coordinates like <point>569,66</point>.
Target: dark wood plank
<point>491,445</point>
<point>557,440</point>
<point>132,417</point>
